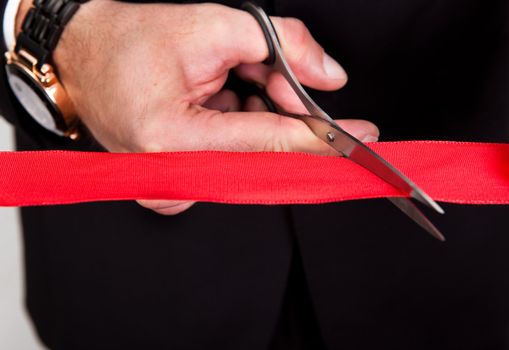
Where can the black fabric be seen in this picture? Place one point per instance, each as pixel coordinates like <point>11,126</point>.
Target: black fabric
<point>297,327</point>
<point>114,275</point>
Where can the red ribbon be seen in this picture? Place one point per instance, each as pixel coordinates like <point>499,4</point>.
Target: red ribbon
<point>466,173</point>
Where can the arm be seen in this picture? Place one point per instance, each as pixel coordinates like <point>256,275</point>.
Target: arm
<point>149,77</point>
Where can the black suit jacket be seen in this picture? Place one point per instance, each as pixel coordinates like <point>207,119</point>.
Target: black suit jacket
<point>114,275</point>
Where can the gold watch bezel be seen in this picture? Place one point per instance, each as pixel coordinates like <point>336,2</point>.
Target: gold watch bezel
<point>52,88</point>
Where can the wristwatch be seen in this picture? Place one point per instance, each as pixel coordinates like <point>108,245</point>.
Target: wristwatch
<point>30,71</point>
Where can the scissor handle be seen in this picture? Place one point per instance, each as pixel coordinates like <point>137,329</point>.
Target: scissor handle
<point>277,59</point>
<point>263,19</point>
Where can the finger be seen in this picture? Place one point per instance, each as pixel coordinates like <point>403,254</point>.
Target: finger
<point>275,133</point>
<point>255,104</point>
<point>276,87</point>
<point>280,91</point>
<point>361,129</point>
<point>224,101</point>
<point>254,131</point>
<point>312,66</point>
<point>166,207</point>
<point>258,73</point>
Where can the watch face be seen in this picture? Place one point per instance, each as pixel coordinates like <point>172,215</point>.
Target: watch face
<point>32,98</point>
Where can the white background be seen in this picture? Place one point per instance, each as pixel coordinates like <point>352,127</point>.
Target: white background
<point>15,328</point>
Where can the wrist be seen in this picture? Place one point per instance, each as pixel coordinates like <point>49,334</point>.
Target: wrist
<point>80,53</point>
<point>30,68</point>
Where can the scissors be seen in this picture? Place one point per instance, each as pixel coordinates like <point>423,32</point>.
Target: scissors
<point>326,129</point>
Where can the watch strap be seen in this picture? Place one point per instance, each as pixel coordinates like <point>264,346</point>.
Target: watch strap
<point>42,27</point>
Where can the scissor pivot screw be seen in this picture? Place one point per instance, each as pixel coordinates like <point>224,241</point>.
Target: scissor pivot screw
<point>331,137</point>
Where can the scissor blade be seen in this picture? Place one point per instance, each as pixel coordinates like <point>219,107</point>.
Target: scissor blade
<point>355,150</point>
<point>327,129</point>
<point>409,208</point>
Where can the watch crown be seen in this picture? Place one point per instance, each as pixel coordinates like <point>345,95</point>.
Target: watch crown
<point>46,68</point>
<point>8,57</point>
<point>46,74</point>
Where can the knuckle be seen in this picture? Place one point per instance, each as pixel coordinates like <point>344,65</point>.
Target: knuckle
<point>297,30</point>
<point>156,132</point>
<point>219,21</point>
<point>283,135</point>
<point>148,140</point>
<point>152,147</point>
<point>297,137</point>
<point>218,27</point>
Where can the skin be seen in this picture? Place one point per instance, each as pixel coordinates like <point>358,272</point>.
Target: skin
<point>149,78</point>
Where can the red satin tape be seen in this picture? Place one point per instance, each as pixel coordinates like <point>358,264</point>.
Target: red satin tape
<point>466,173</point>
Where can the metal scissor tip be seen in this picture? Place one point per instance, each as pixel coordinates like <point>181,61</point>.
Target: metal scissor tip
<point>327,130</point>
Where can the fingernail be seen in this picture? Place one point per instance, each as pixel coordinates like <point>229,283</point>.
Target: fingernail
<point>332,68</point>
<point>370,138</point>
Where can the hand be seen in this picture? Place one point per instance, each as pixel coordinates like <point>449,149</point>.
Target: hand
<point>149,78</point>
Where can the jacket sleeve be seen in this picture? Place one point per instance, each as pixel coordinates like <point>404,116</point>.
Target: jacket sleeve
<point>8,109</point>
